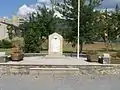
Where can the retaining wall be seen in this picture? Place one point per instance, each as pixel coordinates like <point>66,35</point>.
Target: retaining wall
<point>8,69</point>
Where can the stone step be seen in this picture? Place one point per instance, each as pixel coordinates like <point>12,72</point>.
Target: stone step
<point>55,57</point>
<point>58,69</point>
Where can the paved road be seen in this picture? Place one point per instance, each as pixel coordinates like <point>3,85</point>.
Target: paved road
<point>59,82</point>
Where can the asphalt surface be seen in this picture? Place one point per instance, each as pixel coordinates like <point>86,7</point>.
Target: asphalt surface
<point>53,81</point>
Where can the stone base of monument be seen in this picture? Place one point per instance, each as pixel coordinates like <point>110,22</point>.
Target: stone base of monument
<point>54,56</point>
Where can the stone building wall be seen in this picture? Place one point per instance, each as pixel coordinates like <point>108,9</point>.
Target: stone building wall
<point>15,20</point>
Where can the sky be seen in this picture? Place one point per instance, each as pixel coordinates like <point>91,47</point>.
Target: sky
<point>11,7</point>
<point>22,7</point>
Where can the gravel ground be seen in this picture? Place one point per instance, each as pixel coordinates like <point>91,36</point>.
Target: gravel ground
<point>52,81</point>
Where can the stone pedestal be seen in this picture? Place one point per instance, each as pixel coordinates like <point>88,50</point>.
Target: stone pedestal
<point>106,58</point>
<point>16,53</point>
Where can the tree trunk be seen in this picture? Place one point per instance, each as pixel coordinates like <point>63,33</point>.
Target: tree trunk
<point>106,43</point>
<point>110,42</point>
<point>81,47</point>
<point>40,43</point>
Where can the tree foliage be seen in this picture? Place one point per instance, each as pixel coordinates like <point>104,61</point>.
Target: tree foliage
<point>106,25</point>
<point>69,9</point>
<point>37,29</point>
<point>94,24</point>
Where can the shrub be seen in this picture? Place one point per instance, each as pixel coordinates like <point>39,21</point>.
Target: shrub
<point>0,44</point>
<point>18,41</point>
<point>6,43</point>
<point>32,41</point>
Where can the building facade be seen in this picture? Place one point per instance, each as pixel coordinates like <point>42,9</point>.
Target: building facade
<point>15,20</point>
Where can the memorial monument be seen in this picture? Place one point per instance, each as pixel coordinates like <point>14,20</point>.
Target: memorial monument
<point>55,45</point>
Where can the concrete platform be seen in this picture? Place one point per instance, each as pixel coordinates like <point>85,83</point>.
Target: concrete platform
<point>49,61</point>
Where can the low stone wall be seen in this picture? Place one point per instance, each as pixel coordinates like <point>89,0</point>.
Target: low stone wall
<point>100,69</point>
<point>9,69</point>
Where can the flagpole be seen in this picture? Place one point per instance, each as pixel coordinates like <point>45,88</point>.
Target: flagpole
<point>78,42</point>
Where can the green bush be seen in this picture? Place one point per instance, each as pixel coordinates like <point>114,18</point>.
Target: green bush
<point>0,44</point>
<point>32,41</point>
<point>6,43</point>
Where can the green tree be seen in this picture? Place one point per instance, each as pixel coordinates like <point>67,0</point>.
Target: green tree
<point>101,25</point>
<point>107,27</point>
<point>13,30</point>
<point>115,20</point>
<point>10,34</point>
<point>37,29</point>
<point>69,9</point>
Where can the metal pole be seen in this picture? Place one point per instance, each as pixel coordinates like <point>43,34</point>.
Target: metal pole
<point>78,48</point>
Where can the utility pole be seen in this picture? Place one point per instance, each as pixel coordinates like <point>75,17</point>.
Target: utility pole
<point>78,42</point>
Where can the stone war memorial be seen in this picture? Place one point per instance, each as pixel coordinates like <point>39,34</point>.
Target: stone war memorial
<point>55,45</point>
